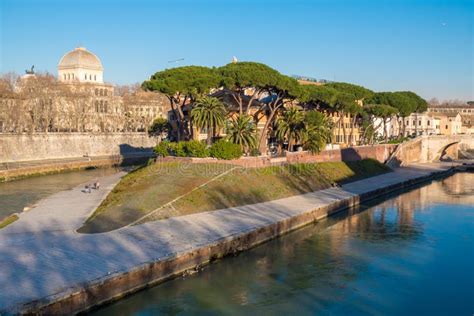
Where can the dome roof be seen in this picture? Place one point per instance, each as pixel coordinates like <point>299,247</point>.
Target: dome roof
<point>80,58</point>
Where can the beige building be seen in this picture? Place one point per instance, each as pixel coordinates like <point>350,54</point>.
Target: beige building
<point>80,65</point>
<point>77,101</point>
<point>466,111</point>
<point>450,124</point>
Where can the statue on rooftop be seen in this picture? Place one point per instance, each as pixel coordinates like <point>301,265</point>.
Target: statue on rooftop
<point>31,71</point>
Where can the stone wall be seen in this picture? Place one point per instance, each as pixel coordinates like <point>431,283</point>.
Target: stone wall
<point>25,147</point>
<point>379,152</point>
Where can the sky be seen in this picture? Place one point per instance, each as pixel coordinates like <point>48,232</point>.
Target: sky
<point>385,45</point>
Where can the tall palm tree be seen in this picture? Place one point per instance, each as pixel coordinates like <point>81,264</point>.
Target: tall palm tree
<point>242,131</point>
<point>209,113</point>
<point>290,126</point>
<point>318,131</point>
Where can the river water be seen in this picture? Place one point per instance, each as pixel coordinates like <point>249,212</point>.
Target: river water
<point>16,195</point>
<point>410,255</point>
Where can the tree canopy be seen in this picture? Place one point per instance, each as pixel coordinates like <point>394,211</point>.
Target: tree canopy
<point>190,81</point>
<point>359,92</point>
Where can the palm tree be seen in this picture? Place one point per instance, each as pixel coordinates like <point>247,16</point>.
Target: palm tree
<point>318,131</point>
<point>290,126</point>
<point>209,113</point>
<point>242,131</point>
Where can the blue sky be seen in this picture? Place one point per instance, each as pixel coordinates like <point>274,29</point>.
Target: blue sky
<point>423,46</point>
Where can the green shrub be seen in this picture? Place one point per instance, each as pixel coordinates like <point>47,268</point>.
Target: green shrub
<point>179,149</point>
<point>192,148</point>
<point>254,152</point>
<point>195,148</point>
<point>225,150</point>
<point>162,149</point>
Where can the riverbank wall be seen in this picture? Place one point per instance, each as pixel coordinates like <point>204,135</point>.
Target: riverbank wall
<point>312,208</point>
<point>47,146</point>
<point>19,170</point>
<point>25,155</point>
<point>380,153</point>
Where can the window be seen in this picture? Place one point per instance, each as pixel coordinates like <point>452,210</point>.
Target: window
<point>85,77</point>
<point>95,78</point>
<point>428,123</point>
<point>96,91</point>
<point>446,126</point>
<point>72,76</point>
<point>64,75</point>
<point>419,122</point>
<point>105,92</point>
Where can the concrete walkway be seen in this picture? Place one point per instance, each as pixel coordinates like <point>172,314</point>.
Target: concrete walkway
<point>41,257</point>
<point>62,211</point>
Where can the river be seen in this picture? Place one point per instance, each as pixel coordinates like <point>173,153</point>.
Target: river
<point>412,254</point>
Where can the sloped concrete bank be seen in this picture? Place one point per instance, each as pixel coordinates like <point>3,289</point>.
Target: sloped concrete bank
<point>110,287</point>
<point>20,170</point>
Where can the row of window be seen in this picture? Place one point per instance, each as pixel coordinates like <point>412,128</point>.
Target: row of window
<point>70,76</point>
<point>453,110</point>
<point>90,77</point>
<point>350,138</point>
<point>100,92</point>
<point>101,106</point>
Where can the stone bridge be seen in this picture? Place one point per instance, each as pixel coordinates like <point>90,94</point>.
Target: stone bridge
<point>430,148</point>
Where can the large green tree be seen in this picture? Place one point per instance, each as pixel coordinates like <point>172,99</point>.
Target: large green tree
<point>182,86</point>
<point>382,111</point>
<point>406,103</point>
<point>159,127</point>
<point>360,93</point>
<point>209,113</point>
<point>242,77</point>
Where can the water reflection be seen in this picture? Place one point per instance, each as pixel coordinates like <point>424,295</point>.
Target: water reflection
<point>412,254</point>
<point>16,195</point>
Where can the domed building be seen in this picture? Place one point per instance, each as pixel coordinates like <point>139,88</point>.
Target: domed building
<point>78,101</point>
<point>80,65</point>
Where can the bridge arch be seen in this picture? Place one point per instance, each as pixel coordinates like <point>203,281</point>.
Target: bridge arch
<point>448,152</point>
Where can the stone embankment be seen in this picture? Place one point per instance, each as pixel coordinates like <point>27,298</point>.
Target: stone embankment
<point>23,155</point>
<point>63,272</point>
<point>17,170</point>
<point>43,146</point>
<point>378,152</point>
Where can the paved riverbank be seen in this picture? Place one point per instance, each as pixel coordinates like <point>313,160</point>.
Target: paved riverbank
<point>63,211</point>
<point>61,271</point>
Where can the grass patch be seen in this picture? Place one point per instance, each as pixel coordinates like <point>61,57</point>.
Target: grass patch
<point>151,187</point>
<point>8,220</point>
